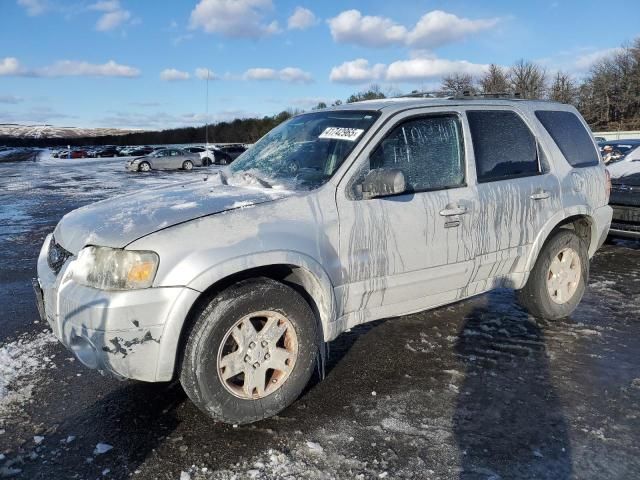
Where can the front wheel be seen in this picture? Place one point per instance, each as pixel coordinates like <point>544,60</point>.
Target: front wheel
<point>250,352</point>
<point>144,167</point>
<point>558,280</point>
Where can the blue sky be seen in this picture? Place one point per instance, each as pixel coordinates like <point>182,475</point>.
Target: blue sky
<point>139,63</point>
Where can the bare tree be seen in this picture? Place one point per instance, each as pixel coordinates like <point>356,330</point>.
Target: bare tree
<point>563,88</point>
<point>494,80</point>
<point>458,83</point>
<point>527,79</point>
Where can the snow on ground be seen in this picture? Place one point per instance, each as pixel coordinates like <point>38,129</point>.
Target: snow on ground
<point>20,362</point>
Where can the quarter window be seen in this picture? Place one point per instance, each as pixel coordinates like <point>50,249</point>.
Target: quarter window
<point>572,138</point>
<point>428,150</point>
<point>504,146</point>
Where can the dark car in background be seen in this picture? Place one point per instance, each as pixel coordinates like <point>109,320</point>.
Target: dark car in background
<point>108,151</point>
<point>625,198</point>
<point>225,154</point>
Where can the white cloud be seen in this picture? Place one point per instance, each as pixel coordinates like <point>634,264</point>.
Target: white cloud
<point>113,15</point>
<point>172,75</point>
<point>288,74</point>
<point>234,18</point>
<point>10,66</point>
<point>204,73</point>
<point>369,31</point>
<point>301,19</point>
<point>105,6</point>
<point>33,7</point>
<point>585,61</point>
<point>357,71</point>
<point>72,68</point>
<point>418,69</point>
<point>435,28</point>
<point>412,70</point>
<point>11,99</point>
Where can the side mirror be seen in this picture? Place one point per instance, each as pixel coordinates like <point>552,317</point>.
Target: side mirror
<point>382,182</point>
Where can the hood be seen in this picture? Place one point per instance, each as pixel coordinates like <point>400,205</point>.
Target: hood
<point>627,173</point>
<point>118,221</point>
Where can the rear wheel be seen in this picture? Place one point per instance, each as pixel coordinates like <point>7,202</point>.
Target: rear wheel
<point>187,165</point>
<point>559,278</point>
<point>144,167</point>
<point>251,352</point>
<point>206,161</point>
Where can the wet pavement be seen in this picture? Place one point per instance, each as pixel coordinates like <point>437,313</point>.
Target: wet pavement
<point>475,390</point>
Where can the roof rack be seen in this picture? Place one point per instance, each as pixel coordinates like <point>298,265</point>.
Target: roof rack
<point>465,95</point>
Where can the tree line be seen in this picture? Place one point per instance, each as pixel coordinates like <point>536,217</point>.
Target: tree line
<point>608,97</point>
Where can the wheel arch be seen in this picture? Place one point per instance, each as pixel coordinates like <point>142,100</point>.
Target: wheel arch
<point>299,272</point>
<point>577,220</point>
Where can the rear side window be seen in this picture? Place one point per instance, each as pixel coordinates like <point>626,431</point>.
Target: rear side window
<point>504,146</point>
<point>572,138</point>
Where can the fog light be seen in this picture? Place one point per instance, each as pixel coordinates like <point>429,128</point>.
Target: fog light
<point>84,352</point>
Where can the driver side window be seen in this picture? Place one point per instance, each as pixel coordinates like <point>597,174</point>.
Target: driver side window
<point>428,150</point>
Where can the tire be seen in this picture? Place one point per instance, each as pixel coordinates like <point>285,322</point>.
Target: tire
<point>203,362</point>
<point>224,161</point>
<point>568,288</point>
<point>187,165</point>
<point>206,161</point>
<point>144,167</point>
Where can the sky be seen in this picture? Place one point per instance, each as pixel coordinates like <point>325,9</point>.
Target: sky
<point>146,64</point>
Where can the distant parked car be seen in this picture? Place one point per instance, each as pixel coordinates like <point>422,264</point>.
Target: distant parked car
<point>165,159</point>
<point>78,153</point>
<point>139,151</point>
<point>218,154</point>
<point>107,152</point>
<point>625,197</point>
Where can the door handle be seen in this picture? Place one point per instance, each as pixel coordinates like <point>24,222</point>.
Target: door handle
<point>540,195</point>
<point>452,210</point>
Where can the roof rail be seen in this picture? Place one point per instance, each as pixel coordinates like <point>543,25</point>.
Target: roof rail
<point>465,95</point>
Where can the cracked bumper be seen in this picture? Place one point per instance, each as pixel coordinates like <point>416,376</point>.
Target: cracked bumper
<point>120,332</point>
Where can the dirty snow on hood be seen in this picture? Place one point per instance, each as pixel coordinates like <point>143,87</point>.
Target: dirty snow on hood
<point>118,221</point>
<point>20,361</point>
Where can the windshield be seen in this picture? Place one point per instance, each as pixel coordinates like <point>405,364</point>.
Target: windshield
<point>304,152</point>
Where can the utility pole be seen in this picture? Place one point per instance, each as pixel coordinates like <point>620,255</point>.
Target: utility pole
<point>206,119</point>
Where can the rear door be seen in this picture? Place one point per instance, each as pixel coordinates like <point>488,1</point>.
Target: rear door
<point>407,252</point>
<point>516,190</point>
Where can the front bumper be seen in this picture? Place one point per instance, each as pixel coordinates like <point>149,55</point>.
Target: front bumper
<point>625,222</point>
<point>132,166</point>
<point>120,332</point>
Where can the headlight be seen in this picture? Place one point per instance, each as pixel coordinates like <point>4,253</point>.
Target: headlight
<point>115,269</point>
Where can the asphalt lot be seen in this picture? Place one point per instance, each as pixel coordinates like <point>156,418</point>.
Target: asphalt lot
<point>476,390</point>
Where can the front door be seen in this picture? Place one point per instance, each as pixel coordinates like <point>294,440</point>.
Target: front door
<point>407,252</point>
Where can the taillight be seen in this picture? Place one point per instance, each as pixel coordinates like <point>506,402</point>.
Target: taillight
<point>607,185</point>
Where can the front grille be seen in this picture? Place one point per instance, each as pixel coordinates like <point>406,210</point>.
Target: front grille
<point>57,256</point>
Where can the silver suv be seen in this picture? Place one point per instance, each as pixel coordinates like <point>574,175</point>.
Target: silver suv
<point>334,218</point>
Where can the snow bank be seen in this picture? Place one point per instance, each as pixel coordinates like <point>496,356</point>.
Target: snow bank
<point>20,361</point>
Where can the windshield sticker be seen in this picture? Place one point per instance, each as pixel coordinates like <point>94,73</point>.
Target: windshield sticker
<point>341,133</point>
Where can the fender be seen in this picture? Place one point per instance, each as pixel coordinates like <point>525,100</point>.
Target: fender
<point>312,276</point>
<point>552,223</point>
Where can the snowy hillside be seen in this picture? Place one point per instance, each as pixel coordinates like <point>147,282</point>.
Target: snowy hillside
<point>50,131</point>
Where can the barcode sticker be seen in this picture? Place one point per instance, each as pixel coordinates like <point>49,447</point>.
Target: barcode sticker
<point>341,133</point>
